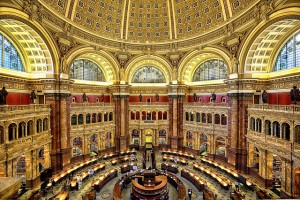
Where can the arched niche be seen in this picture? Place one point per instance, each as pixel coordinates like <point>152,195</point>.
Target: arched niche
<point>77,147</point>
<point>94,144</point>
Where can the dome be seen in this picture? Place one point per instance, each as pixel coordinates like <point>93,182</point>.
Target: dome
<point>148,21</point>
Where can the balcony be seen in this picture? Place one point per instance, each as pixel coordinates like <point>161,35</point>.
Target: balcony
<point>276,108</point>
<point>8,109</point>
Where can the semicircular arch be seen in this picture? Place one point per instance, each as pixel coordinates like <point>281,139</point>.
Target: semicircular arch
<point>38,46</point>
<point>191,61</point>
<point>155,61</point>
<point>265,39</point>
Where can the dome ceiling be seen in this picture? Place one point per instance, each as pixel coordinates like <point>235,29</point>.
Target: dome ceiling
<point>148,21</point>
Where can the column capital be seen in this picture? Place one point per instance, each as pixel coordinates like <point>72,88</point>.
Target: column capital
<point>175,90</point>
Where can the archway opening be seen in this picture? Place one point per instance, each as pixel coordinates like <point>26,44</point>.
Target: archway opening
<point>94,145</point>
<point>77,146</point>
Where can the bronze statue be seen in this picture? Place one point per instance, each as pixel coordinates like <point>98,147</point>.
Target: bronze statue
<point>3,95</point>
<point>157,97</point>
<point>84,98</point>
<point>264,97</point>
<point>140,97</point>
<point>295,94</point>
<point>102,97</point>
<point>32,96</point>
<point>213,97</point>
<point>195,97</point>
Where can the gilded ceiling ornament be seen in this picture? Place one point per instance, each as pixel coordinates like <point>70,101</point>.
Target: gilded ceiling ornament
<point>34,9</point>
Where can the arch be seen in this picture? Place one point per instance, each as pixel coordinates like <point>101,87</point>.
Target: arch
<point>276,129</point>
<point>85,69</point>
<point>21,129</point>
<point>2,135</point>
<point>21,168</point>
<point>12,132</point>
<point>203,118</point>
<point>94,144</point>
<point>162,137</point>
<point>74,119</point>
<point>39,125</point>
<point>88,118</point>
<point>16,22</point>
<point>192,60</point>
<point>135,135</point>
<point>209,118</point>
<point>286,131</point>
<point>187,116</point>
<point>220,144</point>
<point>210,69</point>
<point>258,125</point>
<point>99,117</point>
<point>77,144</point>
<point>289,55</point>
<point>30,127</point>
<point>105,116</point>
<point>165,115</point>
<point>274,169</point>
<point>256,158</point>
<point>160,115</point>
<point>252,124</point>
<point>217,119</point>
<point>297,134</point>
<point>137,114</point>
<point>41,159</point>
<point>94,118</point>
<point>198,117</point>
<point>256,54</point>
<point>45,124</point>
<point>268,127</point>
<point>223,119</point>
<point>111,116</point>
<point>138,62</point>
<point>108,62</point>
<point>80,119</point>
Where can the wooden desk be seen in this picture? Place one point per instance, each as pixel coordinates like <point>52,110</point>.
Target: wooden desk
<point>172,179</point>
<point>61,196</point>
<point>91,195</point>
<point>236,195</point>
<point>103,179</point>
<point>179,153</point>
<point>198,182</point>
<point>261,194</point>
<point>169,167</point>
<point>223,181</point>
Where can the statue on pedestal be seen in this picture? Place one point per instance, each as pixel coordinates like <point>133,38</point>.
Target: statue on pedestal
<point>84,98</point>
<point>195,97</point>
<point>264,97</point>
<point>32,96</point>
<point>156,97</point>
<point>295,94</point>
<point>213,97</point>
<point>140,97</point>
<point>3,95</point>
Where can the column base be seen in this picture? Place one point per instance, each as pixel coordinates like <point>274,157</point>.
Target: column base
<point>123,143</point>
<point>60,159</point>
<point>173,143</point>
<point>238,159</point>
<point>30,184</point>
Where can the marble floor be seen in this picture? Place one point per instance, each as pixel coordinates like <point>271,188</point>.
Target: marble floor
<point>106,191</point>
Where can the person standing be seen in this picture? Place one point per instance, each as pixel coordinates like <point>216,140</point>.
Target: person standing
<point>190,192</point>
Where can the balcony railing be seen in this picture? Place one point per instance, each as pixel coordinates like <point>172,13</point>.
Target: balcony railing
<point>278,108</point>
<point>149,104</point>
<point>34,107</point>
<point>198,104</point>
<point>91,104</point>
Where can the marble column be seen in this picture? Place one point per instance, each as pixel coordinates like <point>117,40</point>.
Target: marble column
<point>60,130</point>
<point>237,148</point>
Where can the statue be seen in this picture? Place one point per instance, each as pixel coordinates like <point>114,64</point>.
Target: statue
<point>156,97</point>
<point>295,94</point>
<point>32,96</point>
<point>84,98</point>
<point>3,95</point>
<point>122,74</point>
<point>234,64</point>
<point>102,97</point>
<point>264,97</point>
<point>195,97</point>
<point>213,97</point>
<point>140,97</point>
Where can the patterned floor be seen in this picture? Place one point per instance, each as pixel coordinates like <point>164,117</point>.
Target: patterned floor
<point>106,192</point>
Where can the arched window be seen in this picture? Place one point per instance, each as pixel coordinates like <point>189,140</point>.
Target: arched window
<point>276,129</point>
<point>289,55</point>
<point>268,127</point>
<point>45,124</point>
<point>198,117</point>
<point>88,118</point>
<point>165,115</point>
<point>223,119</point>
<point>94,118</point>
<point>187,116</point>
<point>297,134</point>
<point>286,131</point>
<point>210,70</point>
<point>209,118</point>
<point>192,116</point>
<point>9,56</point>
<point>88,70</point>
<point>39,125</point>
<point>30,127</point>
<point>99,117</point>
<point>73,99</point>
<point>252,124</point>
<point>258,125</point>
<point>203,118</point>
<point>148,74</point>
<point>217,119</point>
<point>110,116</point>
<point>12,132</point>
<point>21,129</point>
<point>2,136</point>
<point>80,119</point>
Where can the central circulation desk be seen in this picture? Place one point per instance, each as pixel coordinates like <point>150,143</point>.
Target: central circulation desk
<point>171,178</point>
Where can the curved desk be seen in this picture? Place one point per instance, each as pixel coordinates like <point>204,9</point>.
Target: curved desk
<point>172,179</point>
